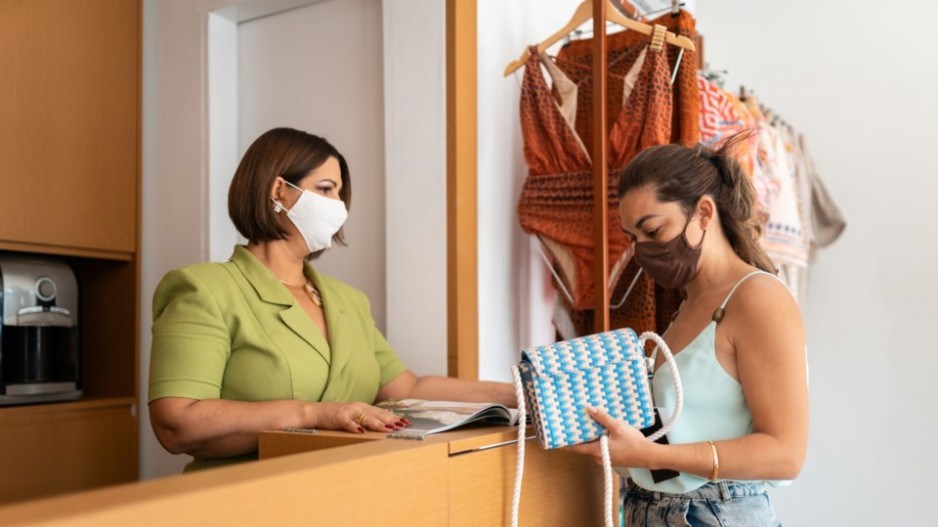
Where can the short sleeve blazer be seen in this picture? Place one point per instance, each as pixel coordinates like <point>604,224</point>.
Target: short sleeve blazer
<point>233,331</point>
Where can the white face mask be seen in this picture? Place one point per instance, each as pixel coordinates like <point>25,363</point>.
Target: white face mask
<point>317,217</point>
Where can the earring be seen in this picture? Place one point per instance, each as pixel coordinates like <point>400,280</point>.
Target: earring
<point>277,208</point>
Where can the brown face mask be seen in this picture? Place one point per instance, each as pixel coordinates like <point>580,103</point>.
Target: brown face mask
<point>672,264</point>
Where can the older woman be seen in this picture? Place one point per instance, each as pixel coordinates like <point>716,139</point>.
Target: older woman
<point>263,341</point>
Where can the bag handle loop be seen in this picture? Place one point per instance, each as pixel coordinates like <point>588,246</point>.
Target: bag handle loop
<point>678,388</point>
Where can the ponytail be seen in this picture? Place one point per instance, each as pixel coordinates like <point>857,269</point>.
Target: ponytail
<point>736,202</point>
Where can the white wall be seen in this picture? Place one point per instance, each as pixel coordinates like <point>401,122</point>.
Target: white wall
<point>415,188</point>
<point>173,186</point>
<point>859,83</point>
<point>318,68</point>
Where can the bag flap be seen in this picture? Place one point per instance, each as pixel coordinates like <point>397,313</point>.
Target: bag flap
<point>592,351</point>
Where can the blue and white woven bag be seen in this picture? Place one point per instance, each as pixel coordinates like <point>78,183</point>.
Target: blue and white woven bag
<point>608,370</point>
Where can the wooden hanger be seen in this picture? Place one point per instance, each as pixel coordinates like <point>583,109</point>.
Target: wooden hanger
<point>584,13</point>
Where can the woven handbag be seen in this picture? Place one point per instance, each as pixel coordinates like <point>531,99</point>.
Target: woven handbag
<point>608,370</point>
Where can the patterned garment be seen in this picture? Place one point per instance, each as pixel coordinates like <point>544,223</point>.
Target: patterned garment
<point>557,196</point>
<point>719,119</point>
<point>623,49</point>
<point>784,239</point>
<point>748,157</point>
<point>643,109</point>
<point>648,306</point>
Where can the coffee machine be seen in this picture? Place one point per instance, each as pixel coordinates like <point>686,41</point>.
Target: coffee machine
<point>39,345</point>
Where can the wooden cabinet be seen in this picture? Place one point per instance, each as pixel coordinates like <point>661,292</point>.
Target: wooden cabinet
<point>69,123</point>
<point>56,448</point>
<point>69,186</point>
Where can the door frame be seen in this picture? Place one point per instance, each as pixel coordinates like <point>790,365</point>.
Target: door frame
<point>461,190</point>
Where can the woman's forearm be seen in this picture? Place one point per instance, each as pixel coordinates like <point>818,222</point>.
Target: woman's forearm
<point>446,388</point>
<point>220,428</point>
<point>757,456</point>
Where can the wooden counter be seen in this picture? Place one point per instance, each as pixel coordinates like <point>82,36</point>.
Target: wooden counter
<point>461,478</point>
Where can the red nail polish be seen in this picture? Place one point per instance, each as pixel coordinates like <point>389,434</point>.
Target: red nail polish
<point>361,430</point>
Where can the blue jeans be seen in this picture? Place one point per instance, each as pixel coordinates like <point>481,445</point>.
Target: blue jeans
<point>721,504</point>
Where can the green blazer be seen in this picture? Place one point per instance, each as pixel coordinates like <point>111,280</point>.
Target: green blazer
<point>233,331</point>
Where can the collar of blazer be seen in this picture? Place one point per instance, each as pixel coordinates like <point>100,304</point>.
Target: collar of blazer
<point>270,290</point>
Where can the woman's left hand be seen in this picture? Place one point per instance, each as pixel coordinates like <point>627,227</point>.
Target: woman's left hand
<point>627,446</point>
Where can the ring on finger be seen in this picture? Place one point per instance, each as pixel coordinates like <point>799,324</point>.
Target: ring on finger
<point>361,419</point>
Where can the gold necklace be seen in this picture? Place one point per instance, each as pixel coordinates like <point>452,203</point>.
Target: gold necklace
<point>314,295</point>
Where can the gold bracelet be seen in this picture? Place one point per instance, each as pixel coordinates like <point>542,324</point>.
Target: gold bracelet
<point>716,461</point>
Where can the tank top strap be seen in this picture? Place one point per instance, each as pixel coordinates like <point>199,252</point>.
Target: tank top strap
<point>721,311</point>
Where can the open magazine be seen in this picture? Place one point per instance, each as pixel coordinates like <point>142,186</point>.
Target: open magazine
<point>430,417</point>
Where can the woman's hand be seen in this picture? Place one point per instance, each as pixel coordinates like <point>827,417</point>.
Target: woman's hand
<point>356,417</point>
<point>627,446</point>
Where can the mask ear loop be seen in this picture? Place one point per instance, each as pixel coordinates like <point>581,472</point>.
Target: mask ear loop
<point>279,206</point>
<point>628,291</point>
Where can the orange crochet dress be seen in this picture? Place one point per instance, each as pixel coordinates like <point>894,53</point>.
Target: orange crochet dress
<point>556,202</point>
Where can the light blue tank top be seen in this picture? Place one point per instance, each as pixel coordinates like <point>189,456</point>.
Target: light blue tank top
<point>714,405</point>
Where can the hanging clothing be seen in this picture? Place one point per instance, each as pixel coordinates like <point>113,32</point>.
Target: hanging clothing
<point>557,197</point>
<point>648,306</point>
<point>719,119</point>
<point>827,221</point>
<point>623,51</point>
<point>785,239</point>
<point>749,153</point>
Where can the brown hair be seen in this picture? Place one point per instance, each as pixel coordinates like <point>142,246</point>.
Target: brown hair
<point>684,175</point>
<point>280,152</point>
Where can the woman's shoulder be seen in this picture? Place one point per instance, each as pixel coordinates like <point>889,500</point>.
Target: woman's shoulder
<point>206,273</point>
<point>763,297</point>
<point>203,279</point>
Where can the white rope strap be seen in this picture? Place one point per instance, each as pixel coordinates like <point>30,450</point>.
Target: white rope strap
<point>522,429</point>
<point>678,389</point>
<point>607,479</point>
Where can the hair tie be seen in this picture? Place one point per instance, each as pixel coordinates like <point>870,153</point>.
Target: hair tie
<point>714,160</point>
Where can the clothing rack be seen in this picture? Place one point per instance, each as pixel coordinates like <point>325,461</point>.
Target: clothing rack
<point>623,14</point>
<point>600,171</point>
<point>775,177</point>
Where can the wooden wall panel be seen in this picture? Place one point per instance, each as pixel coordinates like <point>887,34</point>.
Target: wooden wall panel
<point>69,186</point>
<point>69,121</point>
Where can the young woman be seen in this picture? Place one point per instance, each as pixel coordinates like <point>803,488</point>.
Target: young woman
<point>738,340</point>
<point>263,341</point>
